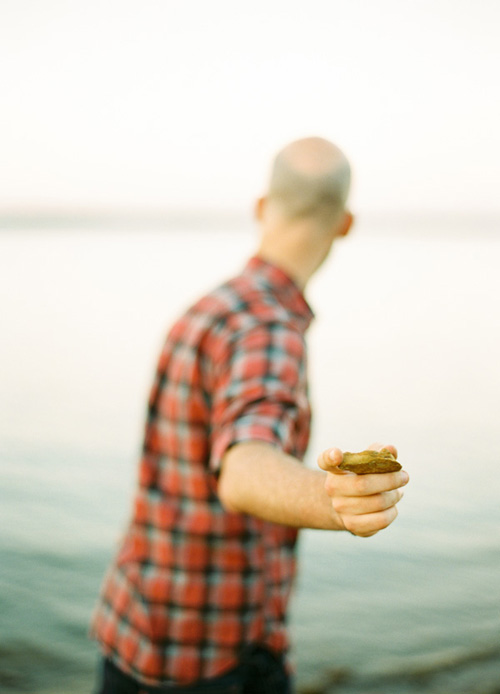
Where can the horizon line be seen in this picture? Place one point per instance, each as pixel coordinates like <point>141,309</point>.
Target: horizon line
<point>172,218</point>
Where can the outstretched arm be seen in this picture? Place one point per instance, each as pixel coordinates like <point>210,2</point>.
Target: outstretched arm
<point>257,478</point>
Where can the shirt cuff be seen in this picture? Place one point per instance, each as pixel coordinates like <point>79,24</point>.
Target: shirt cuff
<point>231,435</point>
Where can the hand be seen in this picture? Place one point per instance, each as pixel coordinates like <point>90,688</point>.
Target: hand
<point>364,504</point>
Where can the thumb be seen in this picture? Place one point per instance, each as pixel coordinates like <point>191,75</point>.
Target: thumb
<point>330,459</point>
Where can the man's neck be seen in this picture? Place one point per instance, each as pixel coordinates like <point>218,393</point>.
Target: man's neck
<point>291,250</point>
<point>285,263</point>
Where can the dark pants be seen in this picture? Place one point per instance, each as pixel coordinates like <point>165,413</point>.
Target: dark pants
<point>259,672</point>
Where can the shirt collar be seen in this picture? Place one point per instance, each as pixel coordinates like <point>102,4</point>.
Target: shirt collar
<point>283,287</point>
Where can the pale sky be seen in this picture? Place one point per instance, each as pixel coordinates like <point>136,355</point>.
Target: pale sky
<point>160,104</point>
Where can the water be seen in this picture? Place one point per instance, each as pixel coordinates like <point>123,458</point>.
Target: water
<point>404,350</point>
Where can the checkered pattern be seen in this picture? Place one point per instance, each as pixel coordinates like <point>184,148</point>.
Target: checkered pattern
<point>192,583</point>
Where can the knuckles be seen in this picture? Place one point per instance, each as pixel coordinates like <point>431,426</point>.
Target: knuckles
<point>361,485</point>
<point>347,485</point>
<point>331,486</point>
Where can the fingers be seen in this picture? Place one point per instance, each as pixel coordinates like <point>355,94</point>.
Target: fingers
<point>388,447</point>
<point>351,485</point>
<point>355,506</point>
<point>365,504</point>
<point>369,524</point>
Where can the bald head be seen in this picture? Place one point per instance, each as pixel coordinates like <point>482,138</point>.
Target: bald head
<point>310,179</point>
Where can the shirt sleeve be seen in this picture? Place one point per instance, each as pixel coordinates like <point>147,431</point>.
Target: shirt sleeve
<point>257,390</point>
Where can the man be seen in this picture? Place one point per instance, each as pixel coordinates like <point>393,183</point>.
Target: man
<point>196,598</point>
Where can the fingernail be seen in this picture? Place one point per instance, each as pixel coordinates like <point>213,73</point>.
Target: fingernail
<point>406,477</point>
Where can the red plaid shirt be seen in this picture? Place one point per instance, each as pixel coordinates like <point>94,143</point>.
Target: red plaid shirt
<point>192,583</point>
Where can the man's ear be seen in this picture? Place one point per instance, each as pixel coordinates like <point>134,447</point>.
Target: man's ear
<point>346,224</point>
<point>260,204</point>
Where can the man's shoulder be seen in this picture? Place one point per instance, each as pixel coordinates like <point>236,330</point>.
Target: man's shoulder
<point>235,306</point>
<point>217,307</point>
<point>242,302</point>
<point>233,295</point>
